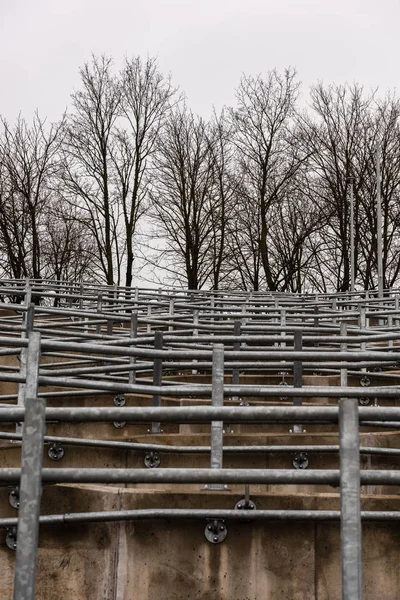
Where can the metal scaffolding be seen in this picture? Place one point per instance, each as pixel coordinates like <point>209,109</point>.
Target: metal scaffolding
<point>221,358</point>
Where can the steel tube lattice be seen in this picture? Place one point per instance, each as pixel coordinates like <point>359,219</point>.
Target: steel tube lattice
<point>246,358</point>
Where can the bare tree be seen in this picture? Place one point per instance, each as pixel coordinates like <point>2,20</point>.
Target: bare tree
<point>89,160</point>
<point>29,166</point>
<point>338,134</point>
<point>223,189</point>
<point>384,130</point>
<point>243,242</point>
<point>294,223</point>
<point>147,98</point>
<point>181,196</point>
<point>267,150</point>
<point>69,254</point>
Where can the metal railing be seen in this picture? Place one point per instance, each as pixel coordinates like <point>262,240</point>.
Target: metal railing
<point>243,357</point>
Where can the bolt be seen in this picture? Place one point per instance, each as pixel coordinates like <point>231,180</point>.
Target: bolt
<point>209,527</point>
<point>215,538</point>
<point>14,546</point>
<point>222,528</point>
<point>251,505</point>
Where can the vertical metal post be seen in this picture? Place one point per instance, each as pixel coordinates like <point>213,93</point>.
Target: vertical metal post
<point>236,347</point>
<point>99,309</point>
<point>334,308</point>
<point>212,308</point>
<point>243,310</point>
<point>195,332</point>
<point>28,292</point>
<point>31,473</point>
<point>29,321</point>
<point>379,221</point>
<point>297,375</point>
<point>363,325</point>
<point>343,348</point>
<point>316,321</point>
<point>133,334</point>
<point>350,511</point>
<point>283,324</point>
<point>217,400</point>
<point>316,318</point>
<point>276,305</point>
<point>136,300</point>
<point>110,325</point>
<point>148,328</point>
<point>171,314</point>
<point>157,376</point>
<point>80,297</point>
<point>352,257</point>
<point>390,326</point>
<point>363,317</point>
<point>115,304</point>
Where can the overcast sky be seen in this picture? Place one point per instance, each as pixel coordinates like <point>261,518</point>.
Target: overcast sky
<point>205,44</point>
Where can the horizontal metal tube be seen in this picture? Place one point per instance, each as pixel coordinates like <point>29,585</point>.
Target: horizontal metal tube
<point>202,414</point>
<point>305,355</point>
<point>180,476</point>
<point>229,390</point>
<point>226,514</point>
<point>170,449</point>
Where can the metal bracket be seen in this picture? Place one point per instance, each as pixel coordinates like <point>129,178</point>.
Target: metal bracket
<point>245,503</point>
<point>119,400</point>
<point>56,451</point>
<point>300,460</point>
<point>216,531</point>
<point>365,381</point>
<point>283,383</point>
<point>11,538</point>
<point>297,429</point>
<point>364,401</point>
<point>13,497</point>
<point>152,460</point>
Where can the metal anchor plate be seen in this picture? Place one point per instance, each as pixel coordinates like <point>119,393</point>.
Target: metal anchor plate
<point>152,460</point>
<point>56,451</point>
<point>216,531</point>
<point>364,400</point>
<point>300,460</point>
<point>11,538</point>
<point>119,400</point>
<point>13,497</point>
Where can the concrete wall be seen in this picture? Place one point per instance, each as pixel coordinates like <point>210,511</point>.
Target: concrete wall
<point>171,560</point>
